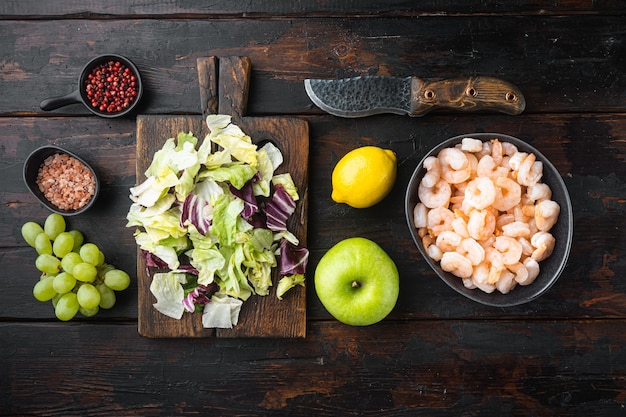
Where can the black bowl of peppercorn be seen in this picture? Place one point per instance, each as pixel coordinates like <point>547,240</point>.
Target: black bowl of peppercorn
<point>109,86</point>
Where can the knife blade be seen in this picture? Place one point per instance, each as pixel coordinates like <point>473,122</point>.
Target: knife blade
<point>369,95</point>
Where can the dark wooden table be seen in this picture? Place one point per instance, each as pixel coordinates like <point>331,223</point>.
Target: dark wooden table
<point>437,354</point>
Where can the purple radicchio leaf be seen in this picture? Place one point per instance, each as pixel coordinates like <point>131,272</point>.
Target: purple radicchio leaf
<point>250,205</point>
<point>279,208</point>
<point>153,261</point>
<point>198,296</point>
<point>188,269</point>
<point>293,259</point>
<point>193,211</point>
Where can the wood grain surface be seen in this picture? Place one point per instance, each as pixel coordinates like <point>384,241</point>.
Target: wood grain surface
<point>437,354</point>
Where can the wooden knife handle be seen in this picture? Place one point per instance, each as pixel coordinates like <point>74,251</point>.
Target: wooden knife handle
<point>466,94</point>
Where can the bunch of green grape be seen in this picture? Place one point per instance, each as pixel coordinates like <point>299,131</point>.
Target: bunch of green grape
<point>74,275</point>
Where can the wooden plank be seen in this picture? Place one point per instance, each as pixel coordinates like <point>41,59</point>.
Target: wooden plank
<point>556,70</point>
<point>260,316</point>
<point>400,368</point>
<point>269,8</point>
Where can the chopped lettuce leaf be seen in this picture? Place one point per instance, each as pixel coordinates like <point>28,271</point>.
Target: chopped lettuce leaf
<point>216,220</point>
<point>167,289</point>
<point>222,312</point>
<point>274,154</point>
<point>226,211</point>
<point>288,282</point>
<point>232,139</point>
<point>236,174</point>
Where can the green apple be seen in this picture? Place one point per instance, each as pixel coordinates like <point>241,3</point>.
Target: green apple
<point>357,282</point>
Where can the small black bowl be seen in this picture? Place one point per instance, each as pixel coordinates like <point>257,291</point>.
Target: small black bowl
<point>31,169</point>
<point>80,95</point>
<point>563,231</point>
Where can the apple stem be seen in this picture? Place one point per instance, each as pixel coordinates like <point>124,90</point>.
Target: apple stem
<point>356,284</point>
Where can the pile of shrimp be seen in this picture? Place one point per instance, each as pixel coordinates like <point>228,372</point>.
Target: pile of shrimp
<point>485,215</point>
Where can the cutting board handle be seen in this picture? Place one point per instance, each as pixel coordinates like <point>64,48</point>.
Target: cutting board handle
<point>224,85</point>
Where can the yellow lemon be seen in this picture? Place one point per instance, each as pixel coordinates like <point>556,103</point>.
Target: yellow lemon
<point>364,176</point>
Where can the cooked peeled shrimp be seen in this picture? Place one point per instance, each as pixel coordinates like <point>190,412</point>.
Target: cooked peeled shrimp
<point>469,283</point>
<point>433,171</point>
<point>420,215</point>
<point>493,258</point>
<point>455,166</point>
<point>523,213</point>
<point>510,249</point>
<point>480,192</point>
<point>436,196</point>
<point>506,282</point>
<point>496,151</point>
<point>504,219</point>
<point>488,167</point>
<point>520,271</point>
<point>486,150</point>
<point>481,224</point>
<point>539,191</point>
<point>459,225</point>
<point>487,288</point>
<point>434,252</point>
<point>516,229</point>
<point>533,269</point>
<point>456,264</point>
<point>431,249</point>
<point>509,149</point>
<point>448,241</point>
<point>439,220</point>
<point>530,171</point>
<point>471,145</point>
<point>546,214</point>
<point>508,194</point>
<point>472,250</point>
<point>527,247</point>
<point>543,242</point>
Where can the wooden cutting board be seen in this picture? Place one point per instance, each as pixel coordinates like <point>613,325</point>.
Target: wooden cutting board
<point>224,89</point>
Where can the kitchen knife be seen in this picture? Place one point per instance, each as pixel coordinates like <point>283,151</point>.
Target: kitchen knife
<point>368,95</point>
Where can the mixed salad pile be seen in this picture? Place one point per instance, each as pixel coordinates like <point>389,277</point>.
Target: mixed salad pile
<point>216,221</point>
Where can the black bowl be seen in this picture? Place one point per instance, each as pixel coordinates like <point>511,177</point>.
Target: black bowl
<point>80,95</point>
<point>563,231</point>
<point>31,168</point>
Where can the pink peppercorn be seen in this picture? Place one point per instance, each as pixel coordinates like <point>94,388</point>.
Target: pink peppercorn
<point>111,87</point>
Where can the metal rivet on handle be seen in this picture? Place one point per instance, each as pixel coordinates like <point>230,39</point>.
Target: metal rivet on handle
<point>471,91</point>
<point>429,94</point>
<point>511,96</point>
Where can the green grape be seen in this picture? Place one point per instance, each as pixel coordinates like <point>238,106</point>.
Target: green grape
<point>88,296</point>
<point>117,280</point>
<point>107,296</point>
<point>48,264</point>
<point>84,272</point>
<point>43,289</point>
<point>88,312</point>
<point>64,282</point>
<point>54,224</point>
<point>30,231</point>
<point>63,244</point>
<point>55,300</point>
<point>70,260</point>
<point>90,253</point>
<point>67,307</point>
<point>100,259</point>
<point>43,244</point>
<point>78,240</point>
